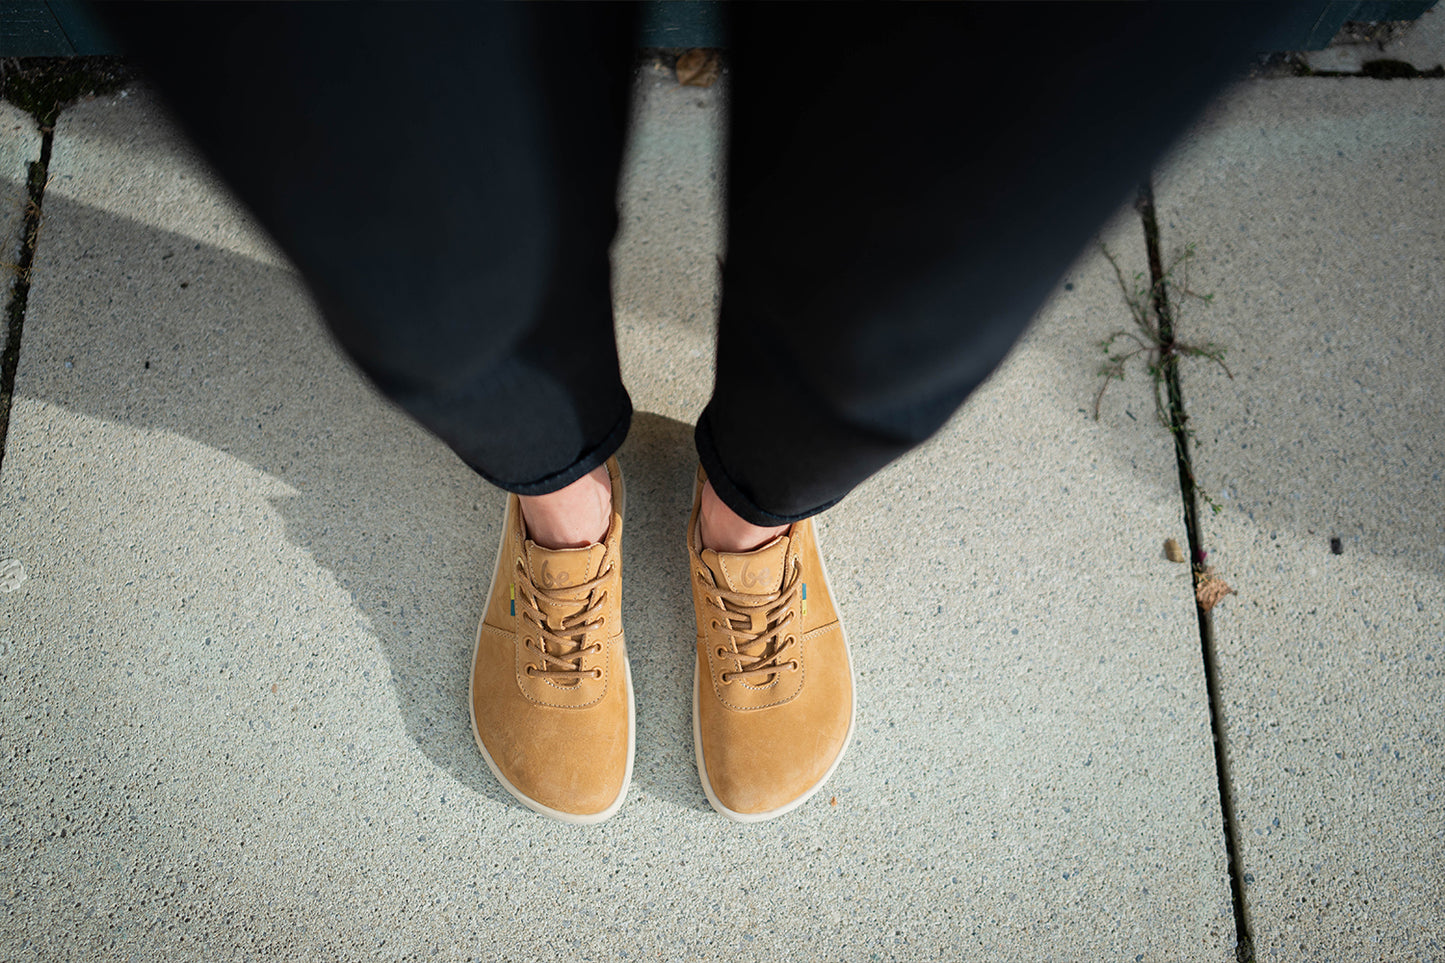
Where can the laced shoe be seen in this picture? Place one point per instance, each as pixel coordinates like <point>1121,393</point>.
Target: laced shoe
<point>551,689</point>
<point>773,683</point>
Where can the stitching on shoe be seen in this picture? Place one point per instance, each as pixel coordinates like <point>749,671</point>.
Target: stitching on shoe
<point>605,656</point>
<point>715,672</point>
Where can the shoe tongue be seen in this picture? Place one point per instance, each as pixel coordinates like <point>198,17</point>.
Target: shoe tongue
<point>759,572</point>
<point>557,570</point>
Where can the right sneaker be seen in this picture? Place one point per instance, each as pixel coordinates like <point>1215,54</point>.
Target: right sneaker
<point>551,689</point>
<point>772,708</point>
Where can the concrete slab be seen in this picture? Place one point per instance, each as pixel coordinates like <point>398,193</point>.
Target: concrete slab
<point>1319,214</point>
<point>232,700</point>
<point>19,146</point>
<point>1420,43</point>
<point>666,265</point>
<point>1035,658</point>
<point>134,168</point>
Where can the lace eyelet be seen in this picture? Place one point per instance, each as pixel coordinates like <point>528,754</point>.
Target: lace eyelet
<point>529,670</point>
<point>794,665</point>
<point>596,673</point>
<point>722,653</point>
<point>726,679</point>
<point>716,625</point>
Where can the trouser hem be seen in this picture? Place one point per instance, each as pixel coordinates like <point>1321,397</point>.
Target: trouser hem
<point>590,459</point>
<point>732,496</point>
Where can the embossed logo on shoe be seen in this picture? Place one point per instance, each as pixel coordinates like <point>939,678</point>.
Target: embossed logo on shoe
<point>553,580</point>
<point>751,577</point>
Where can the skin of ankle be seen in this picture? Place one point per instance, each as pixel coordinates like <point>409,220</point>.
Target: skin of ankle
<point>723,530</point>
<point>571,517</point>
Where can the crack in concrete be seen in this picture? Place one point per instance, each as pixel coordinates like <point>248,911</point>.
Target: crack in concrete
<point>39,172</point>
<point>1178,422</point>
<point>42,87</point>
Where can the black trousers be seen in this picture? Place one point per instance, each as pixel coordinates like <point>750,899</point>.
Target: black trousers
<point>906,183</point>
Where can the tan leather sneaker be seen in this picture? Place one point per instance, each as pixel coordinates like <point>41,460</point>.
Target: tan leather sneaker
<point>551,690</point>
<point>772,707</point>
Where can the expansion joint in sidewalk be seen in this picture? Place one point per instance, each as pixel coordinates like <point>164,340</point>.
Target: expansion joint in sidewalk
<point>20,288</point>
<point>1178,423</point>
<point>42,87</point>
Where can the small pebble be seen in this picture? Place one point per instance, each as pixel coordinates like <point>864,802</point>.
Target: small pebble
<point>1336,546</point>
<point>12,574</point>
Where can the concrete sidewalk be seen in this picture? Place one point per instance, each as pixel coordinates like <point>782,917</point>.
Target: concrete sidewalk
<point>232,688</point>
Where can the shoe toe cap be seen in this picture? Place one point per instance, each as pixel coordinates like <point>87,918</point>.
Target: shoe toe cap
<point>543,770</point>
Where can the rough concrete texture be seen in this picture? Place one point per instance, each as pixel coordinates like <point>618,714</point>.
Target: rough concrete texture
<point>134,168</point>
<point>232,696</point>
<point>19,147</point>
<point>1420,43</point>
<point>666,258</point>
<point>1319,214</point>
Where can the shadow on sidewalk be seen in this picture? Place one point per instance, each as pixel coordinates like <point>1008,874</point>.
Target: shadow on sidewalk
<point>153,331</point>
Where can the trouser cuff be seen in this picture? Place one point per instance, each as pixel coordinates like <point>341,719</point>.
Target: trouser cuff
<point>590,459</point>
<point>732,494</point>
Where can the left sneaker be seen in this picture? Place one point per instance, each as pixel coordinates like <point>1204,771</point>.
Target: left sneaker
<point>551,689</point>
<point>772,704</point>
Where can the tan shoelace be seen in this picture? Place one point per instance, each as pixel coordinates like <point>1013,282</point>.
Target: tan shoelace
<point>563,645</point>
<point>754,627</point>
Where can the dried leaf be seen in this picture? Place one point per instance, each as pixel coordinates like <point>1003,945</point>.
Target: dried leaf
<point>1210,589</point>
<point>698,67</point>
<point>1173,552</point>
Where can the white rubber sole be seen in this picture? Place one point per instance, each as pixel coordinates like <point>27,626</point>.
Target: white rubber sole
<point>587,819</point>
<point>847,739</point>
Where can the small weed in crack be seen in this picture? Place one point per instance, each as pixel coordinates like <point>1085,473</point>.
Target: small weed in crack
<point>1153,343</point>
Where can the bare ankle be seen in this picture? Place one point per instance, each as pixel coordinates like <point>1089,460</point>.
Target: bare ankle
<point>572,517</point>
<point>723,530</point>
